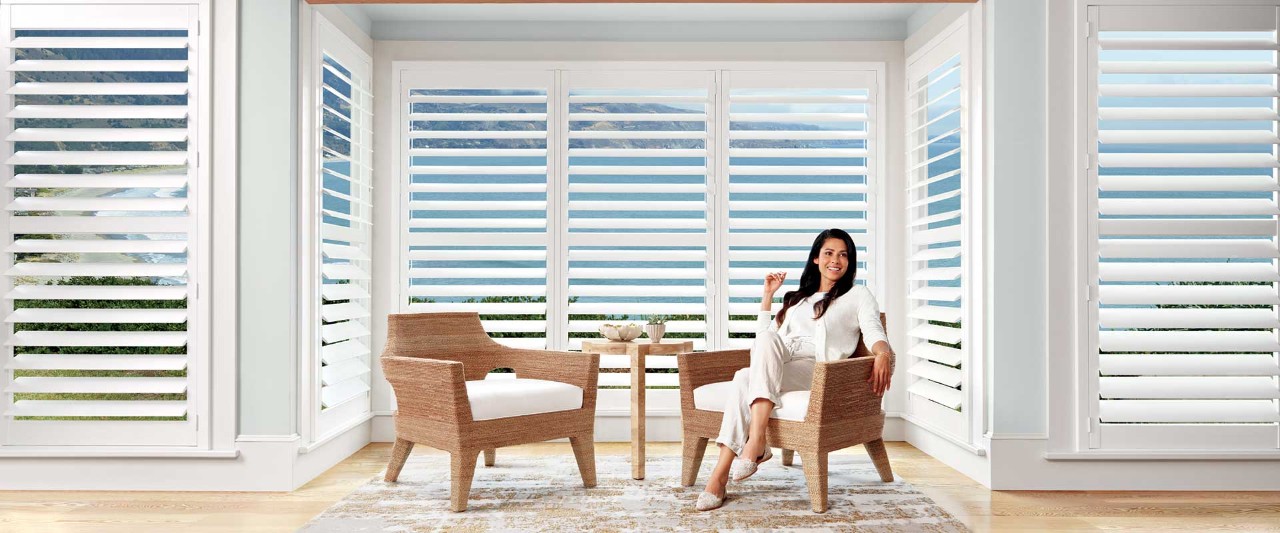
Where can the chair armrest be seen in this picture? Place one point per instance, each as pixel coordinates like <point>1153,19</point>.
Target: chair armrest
<point>429,389</point>
<point>581,370</point>
<point>841,391</point>
<point>698,369</point>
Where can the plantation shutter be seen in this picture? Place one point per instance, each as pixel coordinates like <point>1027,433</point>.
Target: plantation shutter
<point>638,225</point>
<point>344,213</point>
<point>1184,145</point>
<point>476,226</point>
<point>936,223</point>
<point>800,159</point>
<point>100,174</point>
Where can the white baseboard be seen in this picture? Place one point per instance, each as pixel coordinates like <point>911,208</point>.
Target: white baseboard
<point>334,450</point>
<point>976,467</point>
<point>1022,465</point>
<point>263,463</point>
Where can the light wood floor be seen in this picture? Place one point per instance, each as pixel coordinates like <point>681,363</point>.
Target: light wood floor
<point>981,509</point>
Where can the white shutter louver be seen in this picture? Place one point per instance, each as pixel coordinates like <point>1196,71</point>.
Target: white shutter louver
<point>637,206</point>
<point>477,202</point>
<point>1185,145</point>
<point>100,183</point>
<point>344,216</point>
<point>936,355</point>
<point>638,220</point>
<point>800,159</point>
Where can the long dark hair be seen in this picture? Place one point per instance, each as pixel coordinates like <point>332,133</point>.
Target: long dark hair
<point>811,278</point>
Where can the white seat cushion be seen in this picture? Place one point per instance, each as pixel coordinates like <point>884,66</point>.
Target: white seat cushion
<point>711,397</point>
<point>503,398</point>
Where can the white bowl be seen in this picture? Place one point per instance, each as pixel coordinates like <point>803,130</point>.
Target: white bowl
<point>620,332</point>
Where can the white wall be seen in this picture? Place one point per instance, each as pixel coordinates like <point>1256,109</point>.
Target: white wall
<point>1016,97</point>
<point>268,130</point>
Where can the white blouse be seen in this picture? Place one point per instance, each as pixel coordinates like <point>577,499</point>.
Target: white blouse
<point>804,325</point>
<point>855,313</point>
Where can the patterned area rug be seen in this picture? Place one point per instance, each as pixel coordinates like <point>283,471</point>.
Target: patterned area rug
<point>545,494</point>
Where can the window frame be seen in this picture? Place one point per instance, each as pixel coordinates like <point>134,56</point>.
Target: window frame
<point>206,375</point>
<point>316,426</point>
<point>1072,365</point>
<point>557,191</point>
<point>957,40</point>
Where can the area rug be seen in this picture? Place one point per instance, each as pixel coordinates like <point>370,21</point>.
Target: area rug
<point>544,493</point>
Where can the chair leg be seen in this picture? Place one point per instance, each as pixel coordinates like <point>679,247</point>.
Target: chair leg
<point>878,455</point>
<point>462,469</point>
<point>490,456</point>
<point>788,457</point>
<point>694,449</point>
<point>815,474</point>
<point>399,454</point>
<point>584,450</point>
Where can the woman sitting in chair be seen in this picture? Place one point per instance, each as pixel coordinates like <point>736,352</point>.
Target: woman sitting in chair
<point>820,321</point>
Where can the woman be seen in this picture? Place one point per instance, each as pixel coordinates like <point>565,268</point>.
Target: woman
<point>820,321</point>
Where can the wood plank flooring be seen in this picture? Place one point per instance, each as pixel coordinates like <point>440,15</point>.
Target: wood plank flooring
<point>981,509</point>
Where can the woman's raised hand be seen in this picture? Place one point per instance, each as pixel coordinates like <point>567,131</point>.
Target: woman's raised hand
<point>773,282</point>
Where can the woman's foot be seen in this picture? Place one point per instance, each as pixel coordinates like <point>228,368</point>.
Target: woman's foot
<point>745,468</point>
<point>753,450</point>
<point>708,501</point>
<point>713,496</point>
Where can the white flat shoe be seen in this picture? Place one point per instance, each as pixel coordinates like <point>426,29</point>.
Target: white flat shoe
<point>708,501</point>
<point>744,468</point>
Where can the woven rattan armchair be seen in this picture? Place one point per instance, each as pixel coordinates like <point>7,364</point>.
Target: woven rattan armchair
<point>431,359</point>
<point>842,412</point>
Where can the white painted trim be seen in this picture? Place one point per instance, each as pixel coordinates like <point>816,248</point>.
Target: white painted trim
<point>224,165</point>
<point>1063,263</point>
<point>944,435</point>
<point>1161,455</point>
<point>1017,436</point>
<point>260,463</point>
<point>306,273</point>
<point>342,430</point>
<point>411,65</point>
<point>268,438</point>
<point>33,452</point>
<point>698,33</point>
<point>324,455</point>
<point>976,467</point>
<point>1024,465</point>
<point>260,466</point>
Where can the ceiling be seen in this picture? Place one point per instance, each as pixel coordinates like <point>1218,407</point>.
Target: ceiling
<point>638,12</point>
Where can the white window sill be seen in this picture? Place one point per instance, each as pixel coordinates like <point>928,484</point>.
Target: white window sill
<point>37,452</point>
<point>1164,455</point>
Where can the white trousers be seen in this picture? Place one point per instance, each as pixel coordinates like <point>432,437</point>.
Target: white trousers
<point>776,367</point>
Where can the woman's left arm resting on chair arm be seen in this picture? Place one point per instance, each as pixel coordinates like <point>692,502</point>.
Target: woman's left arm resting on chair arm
<point>877,342</point>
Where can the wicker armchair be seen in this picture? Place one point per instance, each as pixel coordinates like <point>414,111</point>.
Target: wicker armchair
<point>432,359</point>
<point>842,412</point>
